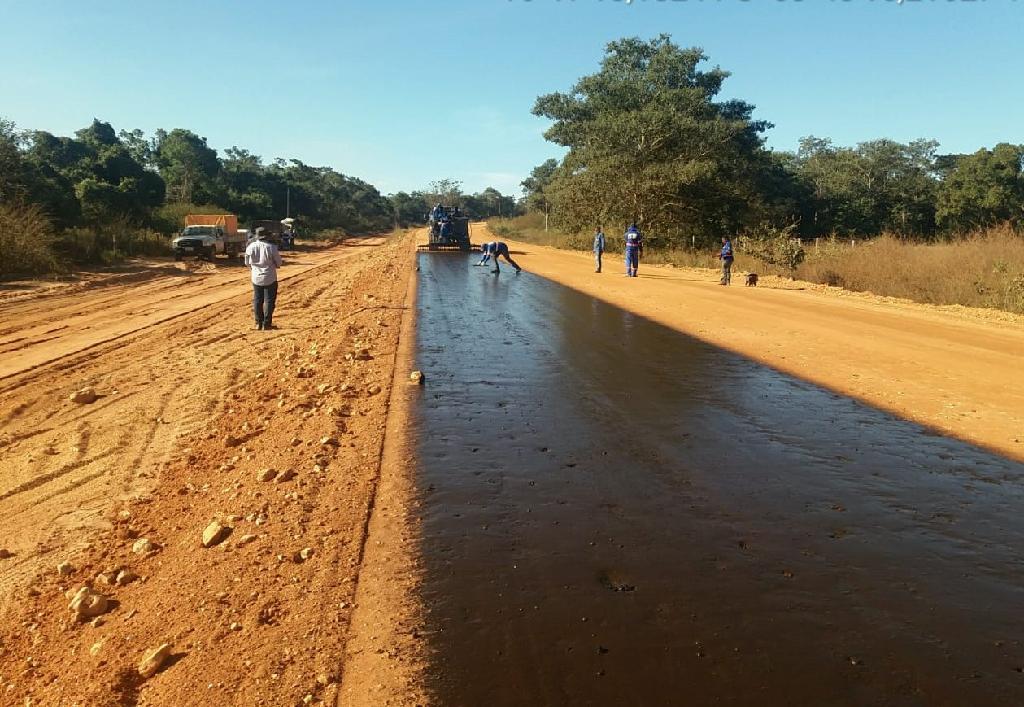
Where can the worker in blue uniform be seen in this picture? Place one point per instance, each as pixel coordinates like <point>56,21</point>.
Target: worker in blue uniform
<point>495,249</point>
<point>634,249</point>
<point>726,255</point>
<point>446,230</point>
<point>485,249</point>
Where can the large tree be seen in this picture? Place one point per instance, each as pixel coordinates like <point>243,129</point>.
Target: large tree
<point>984,188</point>
<point>188,165</point>
<point>648,142</point>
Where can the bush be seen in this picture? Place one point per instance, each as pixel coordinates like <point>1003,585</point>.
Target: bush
<point>774,246</point>
<point>27,242</point>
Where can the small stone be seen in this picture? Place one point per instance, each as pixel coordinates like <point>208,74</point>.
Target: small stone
<point>215,534</point>
<point>65,569</point>
<point>416,377</point>
<point>154,660</point>
<point>85,396</point>
<point>329,442</point>
<point>266,474</point>
<point>305,553</point>
<point>235,626</point>
<point>246,539</point>
<point>232,441</point>
<point>144,546</point>
<point>87,604</point>
<point>96,648</point>
<point>125,577</point>
<point>5,553</point>
<point>286,475</point>
<point>373,390</point>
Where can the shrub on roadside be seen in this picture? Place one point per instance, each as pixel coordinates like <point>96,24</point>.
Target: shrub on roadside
<point>27,241</point>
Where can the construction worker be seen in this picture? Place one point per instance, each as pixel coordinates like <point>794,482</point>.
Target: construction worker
<point>598,248</point>
<point>634,249</point>
<point>494,249</point>
<point>485,248</point>
<point>263,260</point>
<point>446,229</point>
<point>726,255</point>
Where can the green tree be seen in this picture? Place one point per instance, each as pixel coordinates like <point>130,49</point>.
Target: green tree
<point>648,142</point>
<point>983,188</point>
<point>447,191</point>
<point>188,165</point>
<point>15,173</point>
<point>535,186</point>
<point>410,209</point>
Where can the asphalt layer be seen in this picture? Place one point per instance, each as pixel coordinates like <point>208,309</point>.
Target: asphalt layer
<point>615,513</point>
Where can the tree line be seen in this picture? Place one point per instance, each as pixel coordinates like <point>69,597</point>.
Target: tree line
<point>648,141</point>
<point>99,178</point>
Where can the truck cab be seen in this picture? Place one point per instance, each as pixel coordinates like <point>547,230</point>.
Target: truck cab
<point>209,236</point>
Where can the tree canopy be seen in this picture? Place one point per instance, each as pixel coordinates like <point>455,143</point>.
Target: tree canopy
<point>649,140</point>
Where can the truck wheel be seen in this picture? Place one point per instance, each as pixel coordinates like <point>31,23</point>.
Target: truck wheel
<point>211,254</point>
<point>177,257</point>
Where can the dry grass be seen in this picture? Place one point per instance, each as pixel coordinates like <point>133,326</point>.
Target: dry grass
<point>27,241</point>
<point>982,269</point>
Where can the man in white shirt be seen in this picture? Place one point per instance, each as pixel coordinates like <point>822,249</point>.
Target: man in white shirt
<point>263,259</point>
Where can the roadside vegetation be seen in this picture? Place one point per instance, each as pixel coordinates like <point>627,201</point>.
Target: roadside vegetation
<point>102,195</point>
<point>646,139</point>
<point>984,268</point>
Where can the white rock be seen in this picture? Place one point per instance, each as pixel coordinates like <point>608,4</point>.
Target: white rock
<point>144,546</point>
<point>153,660</point>
<point>87,604</point>
<point>215,533</point>
<point>85,396</point>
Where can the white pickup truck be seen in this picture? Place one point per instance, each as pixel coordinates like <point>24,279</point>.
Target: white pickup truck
<point>207,236</point>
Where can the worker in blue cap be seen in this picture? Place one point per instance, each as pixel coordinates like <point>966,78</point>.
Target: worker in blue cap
<point>495,249</point>
<point>634,249</point>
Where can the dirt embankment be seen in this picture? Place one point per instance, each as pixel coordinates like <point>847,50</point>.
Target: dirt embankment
<point>264,446</point>
<point>955,370</point>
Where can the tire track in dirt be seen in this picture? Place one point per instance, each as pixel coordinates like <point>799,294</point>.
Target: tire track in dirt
<point>111,317</point>
<point>157,384</point>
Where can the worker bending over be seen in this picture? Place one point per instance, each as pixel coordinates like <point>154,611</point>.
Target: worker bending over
<point>494,249</point>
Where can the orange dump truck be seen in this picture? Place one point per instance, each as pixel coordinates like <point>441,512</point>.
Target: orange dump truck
<point>209,235</point>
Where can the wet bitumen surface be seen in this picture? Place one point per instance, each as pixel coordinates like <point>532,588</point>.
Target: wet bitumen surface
<point>615,513</point>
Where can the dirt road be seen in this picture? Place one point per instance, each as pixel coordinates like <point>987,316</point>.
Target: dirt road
<point>40,329</point>
<point>608,511</point>
<point>960,375</point>
<point>194,406</point>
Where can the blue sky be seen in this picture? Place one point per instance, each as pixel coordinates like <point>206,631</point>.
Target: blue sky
<point>400,92</point>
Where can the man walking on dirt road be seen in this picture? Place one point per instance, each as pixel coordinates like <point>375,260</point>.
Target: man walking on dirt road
<point>263,259</point>
<point>598,248</point>
<point>726,255</point>
<point>634,249</point>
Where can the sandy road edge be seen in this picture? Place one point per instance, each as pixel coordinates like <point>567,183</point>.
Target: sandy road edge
<point>384,657</point>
